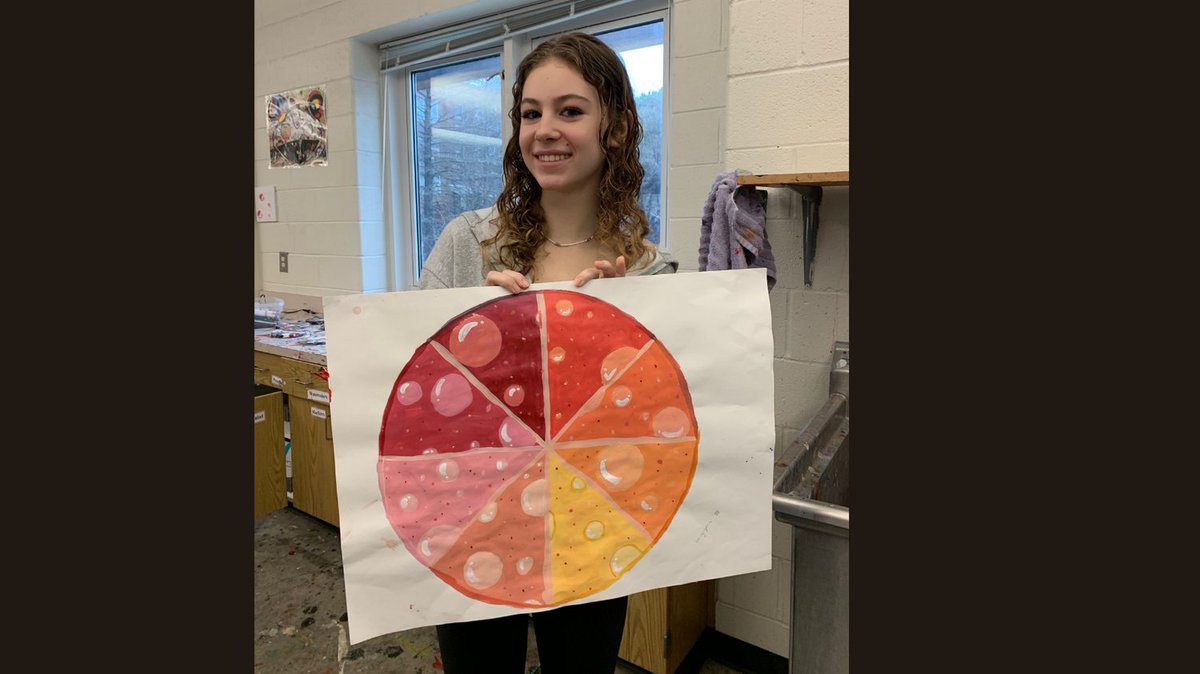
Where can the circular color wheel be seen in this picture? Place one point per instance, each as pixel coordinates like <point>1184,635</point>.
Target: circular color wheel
<point>536,447</point>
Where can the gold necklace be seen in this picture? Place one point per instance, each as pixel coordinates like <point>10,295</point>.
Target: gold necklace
<point>568,245</point>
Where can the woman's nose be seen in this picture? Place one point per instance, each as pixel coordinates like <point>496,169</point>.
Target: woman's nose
<point>546,129</point>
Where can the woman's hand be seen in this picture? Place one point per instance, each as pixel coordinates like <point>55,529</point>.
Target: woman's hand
<point>512,281</point>
<point>603,269</point>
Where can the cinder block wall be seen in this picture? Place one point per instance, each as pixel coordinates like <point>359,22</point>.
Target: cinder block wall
<point>759,85</point>
<point>787,111</point>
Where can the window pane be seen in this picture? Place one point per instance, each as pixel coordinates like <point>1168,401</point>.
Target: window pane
<point>457,144</point>
<point>641,49</point>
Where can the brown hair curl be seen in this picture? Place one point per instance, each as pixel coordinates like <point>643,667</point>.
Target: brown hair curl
<point>621,222</point>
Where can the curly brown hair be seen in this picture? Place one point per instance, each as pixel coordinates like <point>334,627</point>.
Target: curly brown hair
<point>621,223</point>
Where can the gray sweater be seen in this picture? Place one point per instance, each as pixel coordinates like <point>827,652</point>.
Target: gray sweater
<point>455,261</point>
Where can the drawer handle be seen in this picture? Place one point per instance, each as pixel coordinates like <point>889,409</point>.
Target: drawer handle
<point>260,369</point>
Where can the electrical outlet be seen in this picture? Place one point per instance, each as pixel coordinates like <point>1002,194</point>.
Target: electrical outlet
<point>283,262</point>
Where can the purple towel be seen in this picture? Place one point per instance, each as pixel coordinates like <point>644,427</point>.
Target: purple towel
<point>733,233</point>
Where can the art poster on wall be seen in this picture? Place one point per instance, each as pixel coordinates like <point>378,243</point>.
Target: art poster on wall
<point>296,127</point>
<point>499,454</point>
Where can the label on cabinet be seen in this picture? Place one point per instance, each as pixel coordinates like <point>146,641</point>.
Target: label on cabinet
<point>319,412</point>
<point>276,381</point>
<point>318,395</point>
<point>260,416</point>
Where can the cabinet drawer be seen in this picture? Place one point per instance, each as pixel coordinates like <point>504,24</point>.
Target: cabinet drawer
<point>293,377</point>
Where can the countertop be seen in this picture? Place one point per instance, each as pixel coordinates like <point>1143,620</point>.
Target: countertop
<point>303,340</point>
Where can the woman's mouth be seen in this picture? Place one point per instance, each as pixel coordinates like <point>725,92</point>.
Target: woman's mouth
<point>552,157</point>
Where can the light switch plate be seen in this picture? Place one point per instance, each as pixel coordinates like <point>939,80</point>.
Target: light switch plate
<point>283,262</point>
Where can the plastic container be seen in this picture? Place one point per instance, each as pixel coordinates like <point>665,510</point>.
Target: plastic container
<point>268,312</point>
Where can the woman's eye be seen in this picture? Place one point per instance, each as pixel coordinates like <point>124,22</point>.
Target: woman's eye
<point>571,112</point>
<point>530,114</point>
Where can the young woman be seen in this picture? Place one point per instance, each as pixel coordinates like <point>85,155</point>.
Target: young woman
<point>568,211</point>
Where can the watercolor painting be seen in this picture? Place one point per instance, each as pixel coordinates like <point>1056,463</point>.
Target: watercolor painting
<point>499,454</point>
<point>536,447</point>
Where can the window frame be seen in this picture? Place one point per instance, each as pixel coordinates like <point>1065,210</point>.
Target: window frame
<point>399,194</point>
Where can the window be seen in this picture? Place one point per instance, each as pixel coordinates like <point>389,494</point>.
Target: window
<point>457,141</point>
<point>641,49</point>
<point>446,114</point>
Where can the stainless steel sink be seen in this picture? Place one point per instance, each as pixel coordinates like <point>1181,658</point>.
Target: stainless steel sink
<point>812,493</point>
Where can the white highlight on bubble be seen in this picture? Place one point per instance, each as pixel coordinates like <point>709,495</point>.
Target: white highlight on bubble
<point>622,558</point>
<point>534,498</point>
<point>483,569</point>
<point>408,393</point>
<point>488,513</point>
<point>448,470</point>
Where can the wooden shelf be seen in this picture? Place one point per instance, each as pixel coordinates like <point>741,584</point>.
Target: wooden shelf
<point>826,179</point>
<point>809,186</point>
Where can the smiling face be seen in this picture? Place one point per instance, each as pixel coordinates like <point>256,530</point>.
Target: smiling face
<point>561,118</point>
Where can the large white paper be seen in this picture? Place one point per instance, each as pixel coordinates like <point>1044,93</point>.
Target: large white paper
<point>717,328</point>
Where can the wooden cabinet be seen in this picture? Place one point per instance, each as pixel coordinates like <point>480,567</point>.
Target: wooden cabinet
<point>662,625</point>
<point>314,486</point>
<point>270,481</point>
<point>314,482</point>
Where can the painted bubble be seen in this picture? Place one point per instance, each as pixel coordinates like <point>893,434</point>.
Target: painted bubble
<point>514,434</point>
<point>621,466</point>
<point>621,395</point>
<point>524,564</point>
<point>671,422</point>
<point>557,354</point>
<point>564,307</point>
<point>474,444</point>
<point>501,464</point>
<point>437,541</point>
<point>483,569</point>
<point>649,502</point>
<point>514,395</point>
<point>616,360</point>
<point>448,470</point>
<point>535,498</point>
<point>429,450</point>
<point>475,341</point>
<point>408,393</point>
<point>577,484</point>
<point>488,513</point>
<point>622,558</point>
<point>593,530</point>
<point>408,503</point>
<point>451,395</point>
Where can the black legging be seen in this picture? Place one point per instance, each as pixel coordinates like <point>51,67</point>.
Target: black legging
<point>576,639</point>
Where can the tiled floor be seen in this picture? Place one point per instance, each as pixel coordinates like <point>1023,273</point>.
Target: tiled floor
<point>300,610</point>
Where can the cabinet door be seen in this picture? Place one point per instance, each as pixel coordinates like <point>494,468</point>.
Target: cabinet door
<point>662,625</point>
<point>314,486</point>
<point>690,609</point>
<point>270,480</point>
<point>644,640</point>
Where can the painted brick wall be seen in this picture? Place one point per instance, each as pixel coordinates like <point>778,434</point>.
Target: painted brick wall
<point>759,85</point>
<point>787,111</point>
<point>330,219</point>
